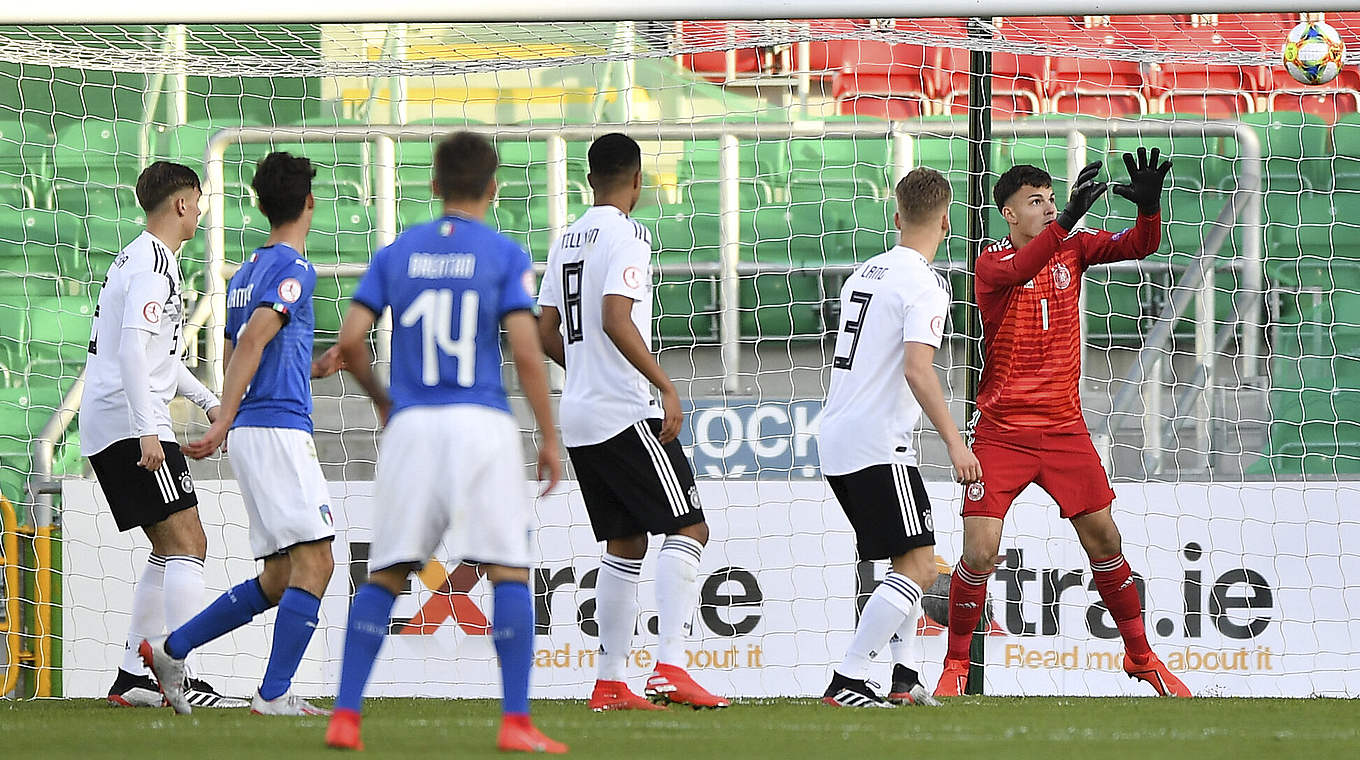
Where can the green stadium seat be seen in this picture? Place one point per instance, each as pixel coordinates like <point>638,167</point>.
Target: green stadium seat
<point>1315,225</point>
<point>188,143</point>
<point>108,202</point>
<point>96,151</point>
<point>1195,157</point>
<point>802,236</point>
<point>38,252</point>
<point>47,335</point>
<point>245,228</point>
<point>685,303</point>
<point>763,169</point>
<point>830,198</point>
<point>505,220</point>
<point>59,333</point>
<point>24,411</point>
<point>1345,166</point>
<point>871,231</point>
<point>866,161</point>
<point>686,308</point>
<point>1294,146</point>
<point>413,209</point>
<point>341,233</point>
<point>25,163</point>
<point>1127,302</point>
<point>1315,385</point>
<point>524,164</point>
<point>1117,305</point>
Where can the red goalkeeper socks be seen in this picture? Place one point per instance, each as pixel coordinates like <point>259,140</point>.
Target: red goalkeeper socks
<point>967,594</point>
<point>1114,581</point>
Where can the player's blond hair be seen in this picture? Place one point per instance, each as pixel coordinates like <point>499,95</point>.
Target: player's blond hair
<point>922,194</point>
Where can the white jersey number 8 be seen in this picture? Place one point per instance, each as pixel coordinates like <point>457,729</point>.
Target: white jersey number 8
<point>435,309</point>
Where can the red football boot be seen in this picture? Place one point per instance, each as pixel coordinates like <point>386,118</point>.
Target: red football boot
<point>343,730</point>
<point>671,684</point>
<point>614,695</point>
<point>954,679</point>
<point>519,735</point>
<point>1151,669</point>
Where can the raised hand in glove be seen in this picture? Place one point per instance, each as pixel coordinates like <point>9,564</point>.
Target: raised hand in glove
<point>1085,192</point>
<point>1146,177</point>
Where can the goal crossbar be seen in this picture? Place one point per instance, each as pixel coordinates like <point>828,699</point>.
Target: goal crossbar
<point>525,11</point>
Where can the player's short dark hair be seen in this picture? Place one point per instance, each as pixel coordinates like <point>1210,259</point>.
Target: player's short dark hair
<point>465,163</point>
<point>282,183</point>
<point>921,194</point>
<point>613,158</point>
<point>162,180</point>
<point>1016,177</point>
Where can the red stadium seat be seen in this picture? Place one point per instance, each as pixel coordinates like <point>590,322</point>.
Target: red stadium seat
<point>874,75</point>
<point>1097,87</point>
<point>1041,30</point>
<point>956,28</point>
<point>1346,22</point>
<point>1215,90</point>
<point>882,107</point>
<point>713,64</point>
<point>1328,102</point>
<point>825,56</point>
<point>1103,86</point>
<point>1017,83</point>
<point>1268,30</point>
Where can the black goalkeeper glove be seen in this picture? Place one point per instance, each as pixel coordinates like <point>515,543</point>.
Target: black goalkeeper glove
<point>1146,177</point>
<point>1085,192</point>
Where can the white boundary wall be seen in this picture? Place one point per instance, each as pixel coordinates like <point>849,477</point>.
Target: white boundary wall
<point>1268,606</point>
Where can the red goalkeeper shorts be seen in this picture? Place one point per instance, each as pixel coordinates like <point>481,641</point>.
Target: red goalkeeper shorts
<point>1064,464</point>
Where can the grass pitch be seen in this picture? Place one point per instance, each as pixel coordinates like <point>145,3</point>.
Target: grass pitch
<point>973,727</point>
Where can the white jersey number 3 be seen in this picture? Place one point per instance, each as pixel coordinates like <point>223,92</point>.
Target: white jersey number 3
<point>435,309</point>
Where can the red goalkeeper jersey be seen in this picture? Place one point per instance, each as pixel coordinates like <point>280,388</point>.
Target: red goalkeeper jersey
<point>1031,329</point>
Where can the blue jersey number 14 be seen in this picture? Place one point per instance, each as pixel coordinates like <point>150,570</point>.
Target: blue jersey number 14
<point>435,309</point>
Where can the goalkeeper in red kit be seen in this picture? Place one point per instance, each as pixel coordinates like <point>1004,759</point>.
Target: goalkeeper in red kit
<point>1029,426</point>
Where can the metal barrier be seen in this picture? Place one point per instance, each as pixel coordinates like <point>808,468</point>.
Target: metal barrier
<point>901,133</point>
<point>9,568</point>
<point>1246,206</point>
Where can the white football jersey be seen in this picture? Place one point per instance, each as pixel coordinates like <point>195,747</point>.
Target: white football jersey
<point>870,414</point>
<point>142,290</point>
<point>604,252</point>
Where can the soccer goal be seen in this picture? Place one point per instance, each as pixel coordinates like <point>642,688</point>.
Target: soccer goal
<point>1220,378</point>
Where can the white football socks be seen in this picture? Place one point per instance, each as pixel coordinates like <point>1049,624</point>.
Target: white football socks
<point>677,596</point>
<point>616,612</point>
<point>183,589</point>
<point>905,644</point>
<point>148,613</point>
<point>884,614</point>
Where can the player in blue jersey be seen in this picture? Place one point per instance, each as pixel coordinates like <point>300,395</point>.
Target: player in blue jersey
<point>450,455</point>
<point>267,408</point>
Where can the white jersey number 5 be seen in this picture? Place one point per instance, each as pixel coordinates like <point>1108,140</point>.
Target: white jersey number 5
<point>435,309</point>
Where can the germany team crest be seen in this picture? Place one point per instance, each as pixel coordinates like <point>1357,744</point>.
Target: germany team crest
<point>1062,277</point>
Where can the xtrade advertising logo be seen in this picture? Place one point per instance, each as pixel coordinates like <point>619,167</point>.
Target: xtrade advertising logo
<point>1218,628</point>
<point>730,599</point>
<point>449,603</point>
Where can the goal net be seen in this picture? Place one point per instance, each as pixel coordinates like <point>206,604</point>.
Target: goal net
<point>1220,378</point>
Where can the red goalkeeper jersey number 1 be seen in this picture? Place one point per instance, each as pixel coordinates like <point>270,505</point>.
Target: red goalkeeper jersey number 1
<point>1030,304</point>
